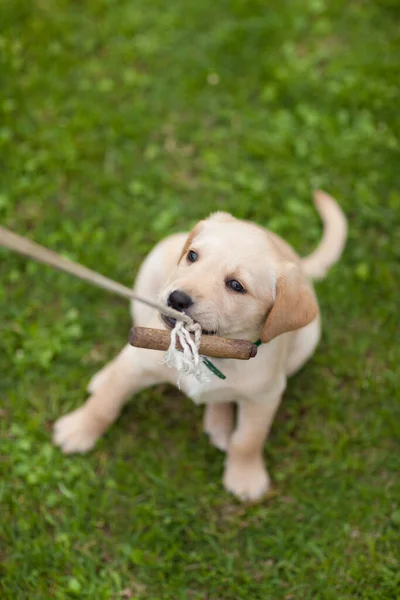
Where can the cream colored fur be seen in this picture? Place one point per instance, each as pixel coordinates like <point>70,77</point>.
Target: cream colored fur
<point>279,306</point>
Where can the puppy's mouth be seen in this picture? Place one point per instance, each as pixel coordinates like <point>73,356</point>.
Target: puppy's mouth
<point>170,323</point>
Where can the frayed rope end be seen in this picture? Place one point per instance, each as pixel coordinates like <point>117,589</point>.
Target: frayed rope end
<point>187,362</point>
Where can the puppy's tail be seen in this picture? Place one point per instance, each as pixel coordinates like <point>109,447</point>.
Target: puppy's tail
<point>330,248</point>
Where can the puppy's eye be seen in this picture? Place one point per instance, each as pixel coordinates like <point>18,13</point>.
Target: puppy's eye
<point>235,286</point>
<point>192,256</point>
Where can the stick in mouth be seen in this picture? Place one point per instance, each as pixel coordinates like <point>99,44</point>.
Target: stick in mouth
<point>211,345</point>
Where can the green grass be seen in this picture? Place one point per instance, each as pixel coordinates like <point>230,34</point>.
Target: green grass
<point>121,122</point>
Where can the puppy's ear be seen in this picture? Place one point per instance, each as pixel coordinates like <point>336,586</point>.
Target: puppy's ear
<point>195,231</point>
<point>295,305</point>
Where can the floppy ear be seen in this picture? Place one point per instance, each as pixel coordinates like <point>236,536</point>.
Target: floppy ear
<point>195,231</point>
<point>295,305</point>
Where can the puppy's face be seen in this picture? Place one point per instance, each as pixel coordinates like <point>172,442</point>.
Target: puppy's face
<point>225,279</point>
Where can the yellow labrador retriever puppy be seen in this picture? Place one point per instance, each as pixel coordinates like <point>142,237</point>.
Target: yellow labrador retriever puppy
<point>240,281</point>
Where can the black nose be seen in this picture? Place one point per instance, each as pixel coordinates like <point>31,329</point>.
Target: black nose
<point>179,300</point>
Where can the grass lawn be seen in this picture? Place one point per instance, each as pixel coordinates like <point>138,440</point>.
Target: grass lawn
<point>123,121</point>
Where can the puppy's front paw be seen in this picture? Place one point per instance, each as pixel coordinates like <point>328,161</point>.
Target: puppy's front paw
<point>247,481</point>
<point>76,432</point>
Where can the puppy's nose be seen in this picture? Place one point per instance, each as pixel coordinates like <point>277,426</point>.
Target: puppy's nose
<point>179,300</point>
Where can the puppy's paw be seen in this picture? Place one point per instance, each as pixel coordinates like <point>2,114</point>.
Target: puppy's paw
<point>247,481</point>
<point>76,432</point>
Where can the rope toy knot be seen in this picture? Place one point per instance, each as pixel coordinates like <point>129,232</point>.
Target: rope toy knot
<point>189,361</point>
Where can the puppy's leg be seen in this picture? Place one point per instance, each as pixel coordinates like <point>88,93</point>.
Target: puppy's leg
<point>245,474</point>
<point>99,377</point>
<point>129,372</point>
<point>218,424</point>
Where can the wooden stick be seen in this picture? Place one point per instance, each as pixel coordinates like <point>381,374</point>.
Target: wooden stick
<point>211,345</point>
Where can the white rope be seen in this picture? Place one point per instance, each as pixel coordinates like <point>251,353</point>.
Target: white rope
<point>187,362</point>
<point>26,247</point>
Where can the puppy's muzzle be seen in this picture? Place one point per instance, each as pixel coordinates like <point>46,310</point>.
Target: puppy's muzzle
<point>179,300</point>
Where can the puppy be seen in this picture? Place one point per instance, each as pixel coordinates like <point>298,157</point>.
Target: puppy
<point>237,280</point>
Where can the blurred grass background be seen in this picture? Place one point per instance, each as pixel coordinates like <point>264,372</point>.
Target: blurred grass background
<point>122,122</point>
